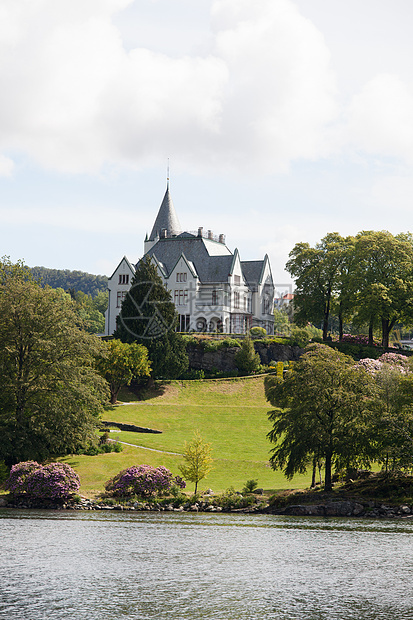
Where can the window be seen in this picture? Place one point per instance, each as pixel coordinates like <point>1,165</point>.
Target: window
<point>180,297</point>
<point>184,322</point>
<point>181,277</point>
<point>119,298</point>
<point>236,300</point>
<point>123,278</point>
<point>237,280</point>
<point>214,297</point>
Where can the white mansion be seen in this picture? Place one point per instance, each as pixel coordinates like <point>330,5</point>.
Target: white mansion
<point>213,290</point>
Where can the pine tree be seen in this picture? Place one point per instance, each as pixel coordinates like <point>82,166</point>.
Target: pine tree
<point>148,316</point>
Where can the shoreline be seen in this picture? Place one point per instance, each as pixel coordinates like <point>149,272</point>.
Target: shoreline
<point>366,509</point>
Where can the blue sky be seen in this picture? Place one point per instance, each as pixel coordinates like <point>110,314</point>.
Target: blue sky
<point>282,119</point>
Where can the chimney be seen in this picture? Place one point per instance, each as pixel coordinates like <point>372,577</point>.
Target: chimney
<point>200,230</point>
<point>209,234</point>
<point>222,239</point>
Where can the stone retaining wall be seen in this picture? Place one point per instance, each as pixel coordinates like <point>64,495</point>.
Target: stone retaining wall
<point>223,360</point>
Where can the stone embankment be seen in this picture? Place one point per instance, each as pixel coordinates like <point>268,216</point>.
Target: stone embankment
<point>90,504</point>
<point>361,509</point>
<point>371,509</point>
<point>223,360</point>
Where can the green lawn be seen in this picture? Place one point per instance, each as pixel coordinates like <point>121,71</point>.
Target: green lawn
<point>229,414</point>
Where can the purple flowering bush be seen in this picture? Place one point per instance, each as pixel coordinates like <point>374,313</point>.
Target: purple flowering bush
<point>142,480</point>
<point>57,481</point>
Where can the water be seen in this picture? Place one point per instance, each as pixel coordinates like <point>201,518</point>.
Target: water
<point>106,565</point>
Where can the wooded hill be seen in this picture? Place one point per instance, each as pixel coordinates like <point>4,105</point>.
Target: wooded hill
<point>71,280</point>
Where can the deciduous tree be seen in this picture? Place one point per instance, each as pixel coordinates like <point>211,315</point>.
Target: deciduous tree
<point>321,412</point>
<point>198,460</point>
<point>121,362</point>
<point>51,396</point>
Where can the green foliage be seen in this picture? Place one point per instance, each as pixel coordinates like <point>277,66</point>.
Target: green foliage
<point>121,362</point>
<point>318,273</point>
<point>91,310</point>
<point>247,360</point>
<point>299,337</point>
<point>50,394</point>
<point>148,316</point>
<point>258,332</point>
<point>4,472</point>
<point>250,486</point>
<point>71,280</point>
<point>209,343</point>
<point>197,460</point>
<point>322,411</point>
<point>282,320</point>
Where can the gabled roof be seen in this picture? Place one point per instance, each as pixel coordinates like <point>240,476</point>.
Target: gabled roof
<point>131,267</point>
<point>197,251</point>
<point>166,219</point>
<point>252,270</point>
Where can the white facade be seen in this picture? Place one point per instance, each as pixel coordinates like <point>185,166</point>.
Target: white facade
<point>212,289</point>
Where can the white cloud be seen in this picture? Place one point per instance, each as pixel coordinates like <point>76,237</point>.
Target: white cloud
<point>6,166</point>
<point>381,119</point>
<point>73,98</point>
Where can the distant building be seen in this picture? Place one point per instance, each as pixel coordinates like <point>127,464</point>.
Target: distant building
<point>213,290</point>
<point>283,300</point>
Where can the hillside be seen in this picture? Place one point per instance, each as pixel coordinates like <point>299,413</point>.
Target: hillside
<point>75,280</point>
<point>230,414</point>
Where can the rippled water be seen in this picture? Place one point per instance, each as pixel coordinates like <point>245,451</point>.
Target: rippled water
<point>106,565</point>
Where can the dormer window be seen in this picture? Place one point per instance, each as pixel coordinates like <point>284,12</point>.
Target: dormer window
<point>123,278</point>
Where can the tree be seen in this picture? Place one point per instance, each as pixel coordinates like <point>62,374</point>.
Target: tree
<point>246,359</point>
<point>322,411</point>
<point>121,362</point>
<point>198,460</point>
<point>383,277</point>
<point>391,422</point>
<point>148,316</point>
<point>51,396</point>
<point>317,272</point>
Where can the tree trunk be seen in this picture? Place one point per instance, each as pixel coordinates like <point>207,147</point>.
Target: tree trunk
<point>371,332</point>
<point>314,472</point>
<point>327,480</point>
<point>385,331</point>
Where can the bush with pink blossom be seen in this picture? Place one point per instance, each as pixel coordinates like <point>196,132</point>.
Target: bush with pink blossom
<point>55,481</point>
<point>143,481</point>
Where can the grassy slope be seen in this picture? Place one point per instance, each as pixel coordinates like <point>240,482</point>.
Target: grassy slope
<point>230,414</point>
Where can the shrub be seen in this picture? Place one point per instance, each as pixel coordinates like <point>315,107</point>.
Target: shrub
<point>258,332</point>
<point>299,337</point>
<point>247,360</point>
<point>19,475</point>
<point>56,481</point>
<point>250,486</point>
<point>142,480</point>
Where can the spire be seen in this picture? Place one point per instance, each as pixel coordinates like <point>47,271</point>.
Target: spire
<point>166,219</point>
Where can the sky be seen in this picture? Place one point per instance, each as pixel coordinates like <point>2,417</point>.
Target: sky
<point>282,120</point>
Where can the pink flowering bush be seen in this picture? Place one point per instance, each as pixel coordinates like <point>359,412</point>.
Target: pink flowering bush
<point>19,476</point>
<point>394,360</point>
<point>56,481</point>
<point>142,480</point>
<point>358,339</point>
